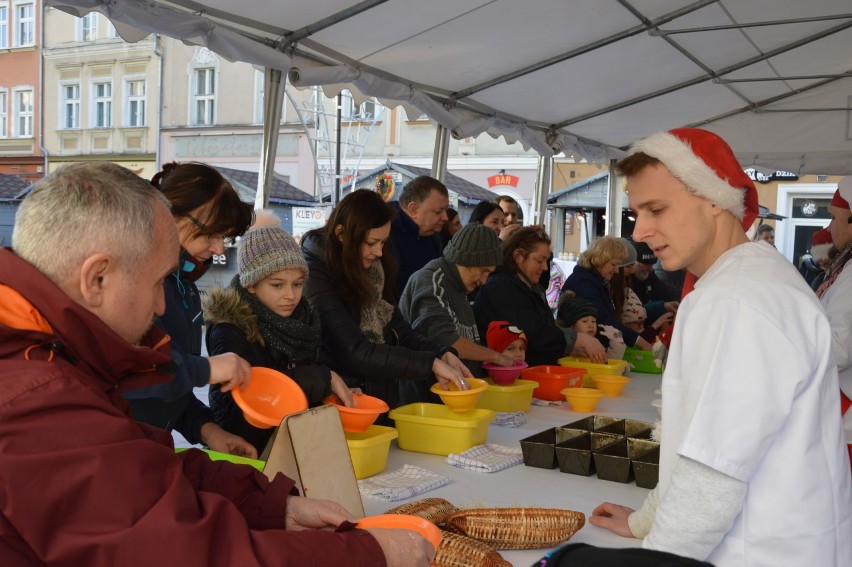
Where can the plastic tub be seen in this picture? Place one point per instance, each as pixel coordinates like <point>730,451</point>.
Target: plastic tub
<point>516,397</point>
<point>610,385</point>
<point>435,429</point>
<point>642,360</point>
<point>553,379</point>
<point>582,400</point>
<point>369,449</point>
<point>367,409</point>
<point>613,367</point>
<point>269,397</point>
<point>461,401</point>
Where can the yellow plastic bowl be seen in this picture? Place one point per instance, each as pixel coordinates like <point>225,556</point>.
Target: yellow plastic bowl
<point>610,385</point>
<point>461,401</point>
<point>582,400</point>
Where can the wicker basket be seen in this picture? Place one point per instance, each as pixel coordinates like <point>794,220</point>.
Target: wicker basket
<point>517,528</point>
<point>462,551</point>
<point>436,510</point>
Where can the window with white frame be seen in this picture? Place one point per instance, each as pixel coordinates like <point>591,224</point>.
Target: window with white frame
<point>112,33</point>
<point>134,101</point>
<point>23,105</point>
<point>102,104</point>
<point>71,105</point>
<point>351,112</point>
<point>24,24</point>
<point>204,96</point>
<point>87,27</point>
<point>4,26</point>
<point>4,116</point>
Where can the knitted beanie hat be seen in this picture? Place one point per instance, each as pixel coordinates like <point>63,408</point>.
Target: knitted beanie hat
<point>264,250</point>
<point>631,253</point>
<point>707,166</point>
<point>475,245</point>
<point>572,309</point>
<point>501,334</point>
<point>821,244</point>
<point>644,254</point>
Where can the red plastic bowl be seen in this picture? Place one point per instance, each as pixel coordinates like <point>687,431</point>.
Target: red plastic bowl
<point>504,375</point>
<point>552,379</point>
<point>269,397</point>
<point>366,411</point>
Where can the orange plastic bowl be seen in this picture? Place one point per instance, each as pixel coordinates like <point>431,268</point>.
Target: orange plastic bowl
<point>269,397</point>
<point>405,522</point>
<point>552,379</point>
<point>461,401</point>
<point>610,385</point>
<point>504,375</point>
<point>366,411</point>
<point>582,400</point>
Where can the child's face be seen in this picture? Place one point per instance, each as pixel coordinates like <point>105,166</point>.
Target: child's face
<point>281,292</point>
<point>587,325</point>
<point>517,350</point>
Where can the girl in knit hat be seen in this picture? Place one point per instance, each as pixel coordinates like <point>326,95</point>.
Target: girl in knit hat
<point>262,317</point>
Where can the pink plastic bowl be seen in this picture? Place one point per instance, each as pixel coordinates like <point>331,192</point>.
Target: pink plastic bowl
<point>504,375</point>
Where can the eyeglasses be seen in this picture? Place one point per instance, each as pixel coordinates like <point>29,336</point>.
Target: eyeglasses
<point>210,237</point>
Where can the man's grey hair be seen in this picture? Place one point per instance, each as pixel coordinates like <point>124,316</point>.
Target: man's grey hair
<point>82,209</point>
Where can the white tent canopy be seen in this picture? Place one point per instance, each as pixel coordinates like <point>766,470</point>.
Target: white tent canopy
<point>586,77</point>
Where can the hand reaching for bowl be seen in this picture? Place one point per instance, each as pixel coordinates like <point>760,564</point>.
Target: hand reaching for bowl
<point>502,359</point>
<point>591,347</point>
<point>229,370</point>
<point>449,372</point>
<point>343,392</point>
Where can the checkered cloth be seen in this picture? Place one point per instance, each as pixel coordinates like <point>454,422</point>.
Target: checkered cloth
<point>510,419</point>
<point>487,458</point>
<point>538,402</point>
<point>401,484</point>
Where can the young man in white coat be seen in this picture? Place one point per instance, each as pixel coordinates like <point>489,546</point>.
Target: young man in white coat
<point>753,470</point>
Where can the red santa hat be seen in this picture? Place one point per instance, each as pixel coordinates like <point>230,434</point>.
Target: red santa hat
<point>820,244</point>
<point>843,195</point>
<point>706,165</point>
<point>501,334</point>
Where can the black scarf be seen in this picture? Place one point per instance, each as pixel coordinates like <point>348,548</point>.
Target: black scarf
<point>296,337</point>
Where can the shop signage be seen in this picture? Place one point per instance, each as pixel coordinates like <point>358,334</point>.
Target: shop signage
<point>776,176</point>
<point>503,179</point>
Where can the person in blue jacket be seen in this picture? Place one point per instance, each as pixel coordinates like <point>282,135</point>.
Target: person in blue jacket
<point>207,210</point>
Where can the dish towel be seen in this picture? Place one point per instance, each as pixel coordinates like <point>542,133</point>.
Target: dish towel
<point>538,402</point>
<point>487,458</point>
<point>404,483</point>
<point>510,418</point>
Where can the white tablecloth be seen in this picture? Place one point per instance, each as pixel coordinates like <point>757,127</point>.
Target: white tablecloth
<point>529,486</point>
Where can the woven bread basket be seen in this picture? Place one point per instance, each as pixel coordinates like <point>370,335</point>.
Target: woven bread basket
<point>516,528</point>
<point>435,510</point>
<point>462,551</point>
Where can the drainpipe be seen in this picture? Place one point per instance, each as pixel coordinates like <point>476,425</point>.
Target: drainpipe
<point>41,92</point>
<point>159,55</point>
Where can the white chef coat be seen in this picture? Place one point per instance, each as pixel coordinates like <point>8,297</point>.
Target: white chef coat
<point>837,301</point>
<point>750,389</point>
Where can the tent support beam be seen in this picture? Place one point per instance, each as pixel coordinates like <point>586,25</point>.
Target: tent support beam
<point>661,33</point>
<point>273,98</point>
<point>329,21</point>
<point>439,156</point>
<point>614,202</point>
<point>542,189</point>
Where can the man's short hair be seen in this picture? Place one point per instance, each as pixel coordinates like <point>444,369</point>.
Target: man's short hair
<point>634,163</point>
<point>506,198</point>
<point>418,189</point>
<point>84,208</point>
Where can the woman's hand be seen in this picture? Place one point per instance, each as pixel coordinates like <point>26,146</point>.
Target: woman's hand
<point>671,306</point>
<point>455,362</point>
<point>612,517</point>
<point>341,390</point>
<point>446,374</point>
<point>221,441</point>
<point>643,344</point>
<point>591,347</point>
<point>663,322</point>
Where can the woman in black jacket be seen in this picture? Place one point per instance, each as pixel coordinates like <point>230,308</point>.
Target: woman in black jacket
<point>510,295</point>
<point>263,318</point>
<point>365,337</point>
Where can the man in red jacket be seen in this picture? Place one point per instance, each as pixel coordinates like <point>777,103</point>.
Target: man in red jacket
<point>81,483</point>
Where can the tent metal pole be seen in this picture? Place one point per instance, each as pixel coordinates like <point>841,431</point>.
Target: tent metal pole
<point>542,189</point>
<point>273,98</point>
<point>614,202</point>
<point>439,156</point>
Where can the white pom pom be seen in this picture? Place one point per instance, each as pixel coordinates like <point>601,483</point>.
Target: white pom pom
<point>266,217</point>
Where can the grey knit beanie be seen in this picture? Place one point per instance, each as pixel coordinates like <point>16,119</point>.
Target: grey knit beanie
<point>475,245</point>
<point>265,250</point>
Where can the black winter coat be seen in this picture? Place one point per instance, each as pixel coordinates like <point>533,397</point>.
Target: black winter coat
<point>376,368</point>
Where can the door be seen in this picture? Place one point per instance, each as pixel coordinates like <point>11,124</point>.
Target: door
<point>806,209</point>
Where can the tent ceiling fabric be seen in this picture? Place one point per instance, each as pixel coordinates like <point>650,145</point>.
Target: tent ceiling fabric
<point>587,76</point>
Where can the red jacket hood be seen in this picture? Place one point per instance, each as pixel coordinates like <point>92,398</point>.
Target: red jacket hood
<point>72,332</point>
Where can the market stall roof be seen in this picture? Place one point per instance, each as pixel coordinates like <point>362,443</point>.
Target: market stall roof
<point>585,77</point>
<point>281,191</point>
<point>467,191</point>
<point>13,187</point>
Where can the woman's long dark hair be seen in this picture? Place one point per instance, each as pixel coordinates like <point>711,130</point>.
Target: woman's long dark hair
<point>358,213</point>
<point>482,210</point>
<point>618,285</point>
<point>191,185</point>
<point>525,239</point>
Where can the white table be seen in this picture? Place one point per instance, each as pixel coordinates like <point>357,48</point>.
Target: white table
<point>529,486</point>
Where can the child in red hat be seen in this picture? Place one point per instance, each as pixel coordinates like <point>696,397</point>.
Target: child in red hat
<point>504,337</point>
